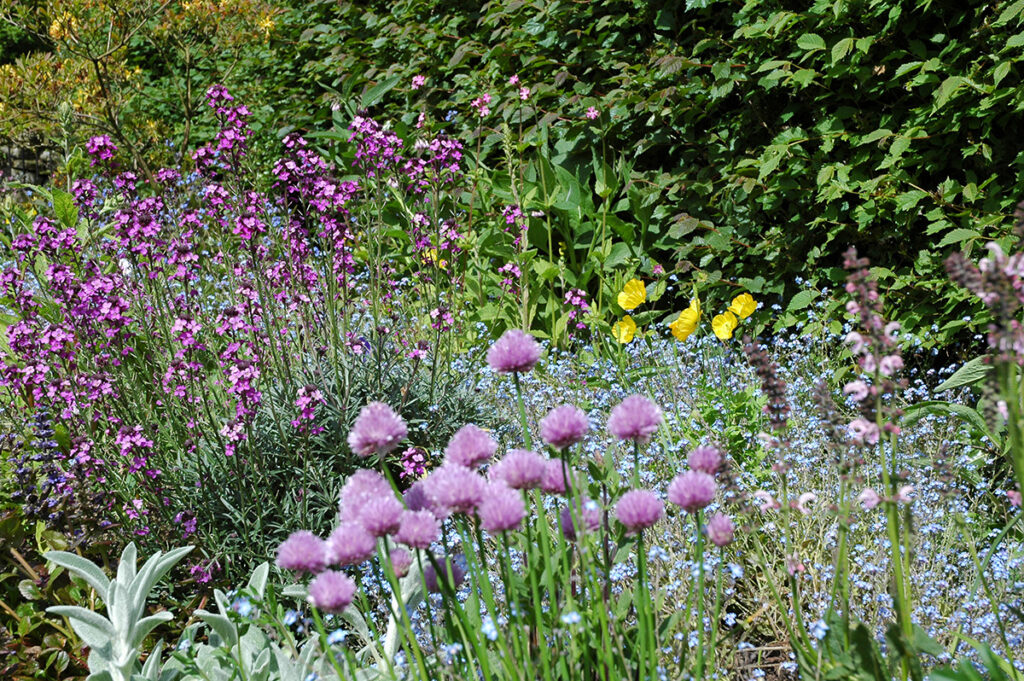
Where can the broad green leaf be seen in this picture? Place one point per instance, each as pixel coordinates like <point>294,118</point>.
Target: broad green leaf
<point>841,49</point>
<point>64,208</point>
<point>377,92</point>
<point>946,90</point>
<point>801,300</point>
<point>956,236</point>
<point>974,371</point>
<point>810,42</point>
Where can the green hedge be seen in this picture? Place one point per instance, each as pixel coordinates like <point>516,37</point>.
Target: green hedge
<point>769,135</point>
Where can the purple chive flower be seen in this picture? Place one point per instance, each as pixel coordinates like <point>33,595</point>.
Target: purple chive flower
<point>470,446</point>
<point>302,551</point>
<point>350,544</point>
<point>361,486</point>
<point>639,509</point>
<point>332,591</point>
<point>416,498</point>
<point>454,568</point>
<point>418,529</point>
<point>720,530</point>
<point>635,418</point>
<point>380,515</point>
<point>692,490</point>
<point>502,508</point>
<point>515,351</point>
<point>377,430</point>
<point>555,479</point>
<point>401,560</point>
<point>519,469</point>
<point>589,513</point>
<point>705,459</point>
<point>454,489</point>
<point>564,426</point>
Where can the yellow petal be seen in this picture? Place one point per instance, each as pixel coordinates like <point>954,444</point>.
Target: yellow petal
<point>632,294</point>
<point>743,305</point>
<point>686,322</point>
<point>624,329</point>
<point>724,324</point>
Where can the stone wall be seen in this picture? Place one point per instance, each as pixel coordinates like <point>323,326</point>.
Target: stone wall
<point>23,161</point>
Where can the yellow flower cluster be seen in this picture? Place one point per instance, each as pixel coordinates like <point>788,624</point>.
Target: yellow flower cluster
<point>723,325</point>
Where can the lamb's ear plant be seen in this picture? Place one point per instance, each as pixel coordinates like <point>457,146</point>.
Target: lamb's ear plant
<point>115,641</point>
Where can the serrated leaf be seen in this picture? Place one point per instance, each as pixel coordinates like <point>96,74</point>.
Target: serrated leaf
<point>958,235</point>
<point>946,90</point>
<point>841,49</point>
<point>810,42</point>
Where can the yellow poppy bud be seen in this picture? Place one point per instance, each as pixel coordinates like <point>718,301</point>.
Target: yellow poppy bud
<point>743,305</point>
<point>624,329</point>
<point>633,294</point>
<point>724,324</point>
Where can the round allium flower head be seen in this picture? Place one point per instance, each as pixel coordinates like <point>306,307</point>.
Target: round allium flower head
<point>515,351</point>
<point>454,489</point>
<point>720,530</point>
<point>635,418</point>
<point>416,498</point>
<point>502,508</point>
<point>692,490</point>
<point>639,509</point>
<point>564,426</point>
<point>470,446</point>
<point>302,551</point>
<point>519,469</point>
<point>380,515</point>
<point>589,514</point>
<point>332,591</point>
<point>361,486</point>
<point>401,560</point>
<point>377,430</point>
<point>555,479</point>
<point>705,459</point>
<point>418,529</point>
<point>350,544</point>
<point>454,567</point>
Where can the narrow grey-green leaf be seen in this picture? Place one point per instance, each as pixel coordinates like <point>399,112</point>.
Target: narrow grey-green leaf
<point>82,567</point>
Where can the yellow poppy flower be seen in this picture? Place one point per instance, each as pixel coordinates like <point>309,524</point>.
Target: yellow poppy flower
<point>743,305</point>
<point>632,294</point>
<point>724,324</point>
<point>687,321</point>
<point>624,329</point>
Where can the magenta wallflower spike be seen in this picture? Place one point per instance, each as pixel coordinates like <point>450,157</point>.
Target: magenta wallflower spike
<point>377,430</point>
<point>470,446</point>
<point>564,426</point>
<point>302,551</point>
<point>516,351</point>
<point>635,418</point>
<point>519,469</point>
<point>332,591</point>
<point>502,508</point>
<point>692,490</point>
<point>418,529</point>
<point>639,509</point>
<point>350,544</point>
